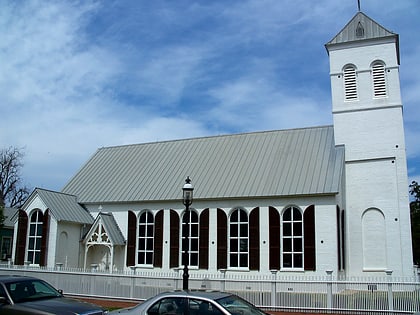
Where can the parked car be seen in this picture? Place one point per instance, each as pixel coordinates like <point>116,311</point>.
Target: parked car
<point>29,295</point>
<point>193,303</point>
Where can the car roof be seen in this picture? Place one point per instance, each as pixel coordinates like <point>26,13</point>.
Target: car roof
<point>13,278</point>
<point>206,294</point>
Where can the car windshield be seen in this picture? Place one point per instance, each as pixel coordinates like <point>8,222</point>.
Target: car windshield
<point>236,305</point>
<point>30,290</point>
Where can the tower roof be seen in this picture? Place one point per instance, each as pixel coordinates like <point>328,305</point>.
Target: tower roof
<point>360,28</point>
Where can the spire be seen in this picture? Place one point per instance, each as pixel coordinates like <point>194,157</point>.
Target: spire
<point>358,5</point>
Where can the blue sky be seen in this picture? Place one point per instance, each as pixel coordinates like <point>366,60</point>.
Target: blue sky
<point>79,75</point>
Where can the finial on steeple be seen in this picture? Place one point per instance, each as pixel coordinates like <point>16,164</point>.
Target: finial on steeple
<point>358,5</point>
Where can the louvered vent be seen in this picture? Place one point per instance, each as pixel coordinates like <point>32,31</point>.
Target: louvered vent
<point>379,82</point>
<point>350,83</point>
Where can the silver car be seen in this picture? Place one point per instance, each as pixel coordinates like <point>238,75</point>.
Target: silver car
<point>193,303</point>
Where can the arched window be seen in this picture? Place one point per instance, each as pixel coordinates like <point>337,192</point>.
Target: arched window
<point>292,238</point>
<point>238,239</point>
<point>378,79</point>
<point>350,83</point>
<point>191,233</point>
<point>145,239</point>
<point>35,237</point>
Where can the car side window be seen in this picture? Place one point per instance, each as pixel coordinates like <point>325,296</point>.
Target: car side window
<point>3,292</point>
<point>199,307</point>
<point>168,306</point>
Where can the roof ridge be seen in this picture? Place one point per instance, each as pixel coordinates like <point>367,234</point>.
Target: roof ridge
<point>213,136</point>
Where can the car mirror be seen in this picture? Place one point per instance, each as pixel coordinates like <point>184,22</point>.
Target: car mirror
<point>3,300</point>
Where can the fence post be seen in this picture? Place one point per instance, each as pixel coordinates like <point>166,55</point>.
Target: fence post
<point>273,287</point>
<point>390,294</point>
<point>223,280</point>
<point>329,289</point>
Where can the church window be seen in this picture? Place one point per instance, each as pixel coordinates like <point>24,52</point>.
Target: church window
<point>378,78</point>
<point>350,83</point>
<point>145,239</point>
<point>35,237</point>
<point>190,237</point>
<point>238,239</point>
<point>292,238</point>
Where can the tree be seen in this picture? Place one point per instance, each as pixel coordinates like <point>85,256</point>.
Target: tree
<point>415,220</point>
<point>12,194</point>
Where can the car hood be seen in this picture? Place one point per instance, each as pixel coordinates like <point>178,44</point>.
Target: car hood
<point>64,306</point>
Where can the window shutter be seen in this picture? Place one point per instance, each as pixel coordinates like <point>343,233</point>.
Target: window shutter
<point>21,238</point>
<point>274,235</point>
<point>309,238</point>
<point>350,83</point>
<point>343,240</point>
<point>254,239</point>
<point>204,240</point>
<point>337,215</point>
<point>174,241</point>
<point>221,239</point>
<point>158,240</point>
<point>131,239</point>
<point>44,242</point>
<point>378,77</point>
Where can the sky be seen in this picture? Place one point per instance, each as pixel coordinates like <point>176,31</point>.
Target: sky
<point>79,75</point>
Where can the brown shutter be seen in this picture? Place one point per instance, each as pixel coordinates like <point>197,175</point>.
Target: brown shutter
<point>254,239</point>
<point>44,241</point>
<point>221,239</point>
<point>309,241</point>
<point>131,239</point>
<point>337,217</point>
<point>343,240</point>
<point>174,241</point>
<point>204,240</point>
<point>158,240</point>
<point>21,238</point>
<point>274,238</point>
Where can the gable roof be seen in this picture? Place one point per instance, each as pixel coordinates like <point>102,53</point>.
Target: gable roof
<point>112,230</point>
<point>63,207</point>
<point>371,30</point>
<point>260,164</point>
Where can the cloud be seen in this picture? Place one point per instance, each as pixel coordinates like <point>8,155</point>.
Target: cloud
<point>76,76</point>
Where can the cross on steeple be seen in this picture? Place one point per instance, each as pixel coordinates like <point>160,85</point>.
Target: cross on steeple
<point>358,5</point>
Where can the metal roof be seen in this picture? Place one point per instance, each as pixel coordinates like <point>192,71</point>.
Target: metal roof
<point>111,228</point>
<point>371,29</point>
<point>8,214</point>
<point>260,164</point>
<point>64,207</point>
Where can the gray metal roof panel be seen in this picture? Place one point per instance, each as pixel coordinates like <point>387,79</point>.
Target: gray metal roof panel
<point>8,214</point>
<point>371,30</point>
<point>64,207</point>
<point>259,164</point>
<point>112,228</point>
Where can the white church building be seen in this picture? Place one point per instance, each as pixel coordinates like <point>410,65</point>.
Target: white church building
<point>300,201</point>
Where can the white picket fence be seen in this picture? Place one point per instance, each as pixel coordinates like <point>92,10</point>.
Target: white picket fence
<point>385,295</point>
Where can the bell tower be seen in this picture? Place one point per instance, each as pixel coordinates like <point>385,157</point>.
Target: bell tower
<point>368,121</point>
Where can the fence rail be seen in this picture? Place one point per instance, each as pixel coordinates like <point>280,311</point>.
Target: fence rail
<point>384,295</point>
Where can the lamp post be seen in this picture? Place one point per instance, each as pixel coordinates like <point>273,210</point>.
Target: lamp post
<point>187,198</point>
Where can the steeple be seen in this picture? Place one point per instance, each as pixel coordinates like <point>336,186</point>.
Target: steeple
<point>360,28</point>
<point>368,122</point>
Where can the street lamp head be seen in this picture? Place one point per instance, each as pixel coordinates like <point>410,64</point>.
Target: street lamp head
<point>187,192</point>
